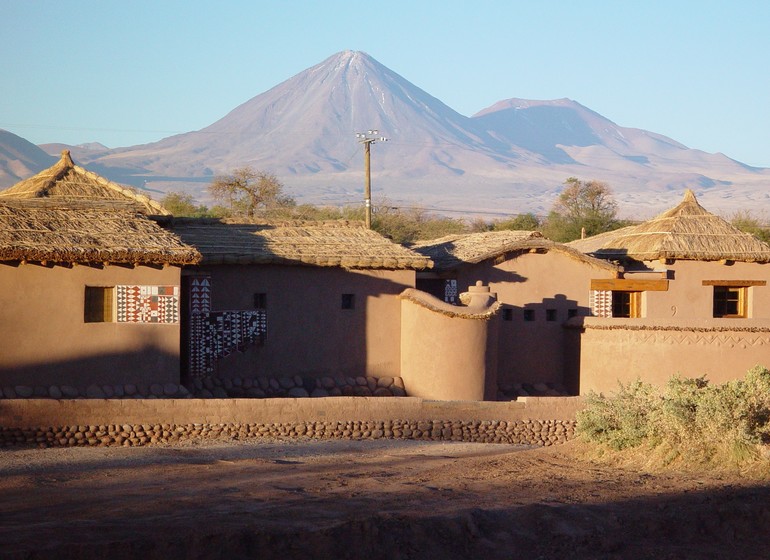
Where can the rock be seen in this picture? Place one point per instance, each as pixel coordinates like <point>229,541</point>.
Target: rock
<point>371,382</point>
<point>54,392</point>
<point>398,382</point>
<point>40,392</point>
<point>69,391</point>
<point>385,382</point>
<point>328,383</point>
<point>361,381</point>
<point>118,391</point>
<point>206,394</point>
<point>219,393</point>
<point>397,391</point>
<point>319,392</point>
<point>94,392</point>
<point>130,389</point>
<point>237,382</point>
<point>255,393</point>
<point>23,391</point>
<point>170,389</point>
<point>298,392</point>
<point>382,392</point>
<point>286,382</point>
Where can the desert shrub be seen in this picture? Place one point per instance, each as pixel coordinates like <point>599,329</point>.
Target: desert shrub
<point>688,418</point>
<point>620,421</point>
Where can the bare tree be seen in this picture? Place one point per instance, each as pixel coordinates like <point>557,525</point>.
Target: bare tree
<point>582,205</point>
<point>246,191</point>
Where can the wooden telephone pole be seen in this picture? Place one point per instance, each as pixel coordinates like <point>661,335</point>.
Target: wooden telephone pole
<point>367,139</point>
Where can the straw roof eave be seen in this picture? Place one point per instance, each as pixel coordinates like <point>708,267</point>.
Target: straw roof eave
<point>685,232</point>
<point>45,230</point>
<point>68,182</point>
<point>472,249</point>
<point>340,244</point>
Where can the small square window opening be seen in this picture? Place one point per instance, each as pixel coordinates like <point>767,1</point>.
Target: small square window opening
<point>529,315</point>
<point>348,301</point>
<point>260,300</point>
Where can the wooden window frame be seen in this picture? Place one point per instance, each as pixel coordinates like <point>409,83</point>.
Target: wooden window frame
<point>722,301</point>
<point>99,305</point>
<point>634,304</point>
<point>741,288</point>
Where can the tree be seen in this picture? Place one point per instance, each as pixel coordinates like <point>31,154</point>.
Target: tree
<point>582,205</point>
<point>522,222</point>
<point>183,204</point>
<point>744,220</point>
<point>246,191</point>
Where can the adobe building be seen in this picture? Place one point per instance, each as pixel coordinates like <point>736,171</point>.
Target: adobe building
<point>282,299</point>
<point>89,284</point>
<point>693,299</point>
<point>539,284</point>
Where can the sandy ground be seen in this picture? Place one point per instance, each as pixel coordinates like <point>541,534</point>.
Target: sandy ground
<point>367,499</point>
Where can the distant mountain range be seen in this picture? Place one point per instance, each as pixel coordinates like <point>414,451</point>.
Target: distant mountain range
<point>511,157</point>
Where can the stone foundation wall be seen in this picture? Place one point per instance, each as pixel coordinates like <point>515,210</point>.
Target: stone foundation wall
<point>529,432</point>
<point>129,422</point>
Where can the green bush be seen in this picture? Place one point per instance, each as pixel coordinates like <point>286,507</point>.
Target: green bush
<point>687,418</point>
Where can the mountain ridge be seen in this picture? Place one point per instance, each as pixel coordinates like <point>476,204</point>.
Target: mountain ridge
<point>512,156</point>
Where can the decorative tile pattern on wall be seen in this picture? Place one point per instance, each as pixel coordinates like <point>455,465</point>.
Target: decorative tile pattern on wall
<point>450,291</point>
<point>147,304</point>
<point>217,334</point>
<point>601,303</point>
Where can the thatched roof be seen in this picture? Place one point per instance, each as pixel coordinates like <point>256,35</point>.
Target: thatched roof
<point>687,232</point>
<point>50,230</point>
<point>68,182</point>
<point>335,243</point>
<point>454,251</point>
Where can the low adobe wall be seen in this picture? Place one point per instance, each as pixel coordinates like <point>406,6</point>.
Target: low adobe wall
<point>47,422</point>
<point>613,350</point>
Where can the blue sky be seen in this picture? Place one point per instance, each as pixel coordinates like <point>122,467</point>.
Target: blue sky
<point>125,73</point>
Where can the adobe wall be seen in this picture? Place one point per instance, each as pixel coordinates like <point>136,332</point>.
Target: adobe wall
<point>308,333</point>
<point>653,350</point>
<point>46,422</point>
<point>44,339</point>
<point>445,349</point>
<point>535,352</point>
<point>688,298</point>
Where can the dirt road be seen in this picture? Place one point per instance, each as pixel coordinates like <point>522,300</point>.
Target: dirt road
<point>367,499</point>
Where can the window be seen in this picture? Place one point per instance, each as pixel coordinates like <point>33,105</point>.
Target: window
<point>626,304</point>
<point>529,315</point>
<point>730,301</point>
<point>260,300</point>
<point>571,313</point>
<point>348,301</point>
<point>507,314</point>
<point>550,315</point>
<point>99,304</point>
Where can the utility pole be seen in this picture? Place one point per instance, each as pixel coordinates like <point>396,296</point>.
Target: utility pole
<point>367,139</point>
